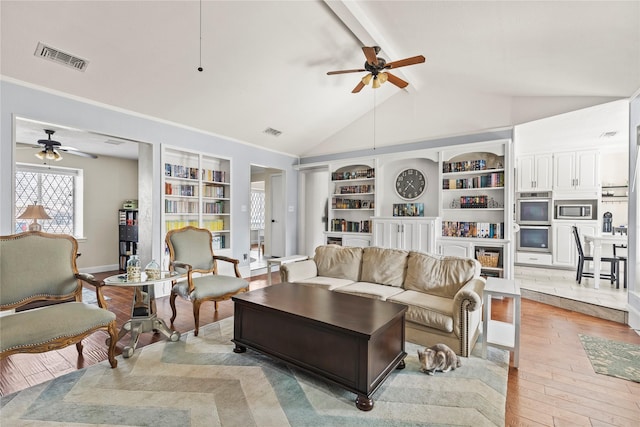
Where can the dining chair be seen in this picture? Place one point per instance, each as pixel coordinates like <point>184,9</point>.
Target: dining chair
<point>623,258</point>
<point>191,253</point>
<point>613,276</point>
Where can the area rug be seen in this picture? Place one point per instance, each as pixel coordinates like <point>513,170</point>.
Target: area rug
<point>613,358</point>
<point>89,296</point>
<point>200,381</point>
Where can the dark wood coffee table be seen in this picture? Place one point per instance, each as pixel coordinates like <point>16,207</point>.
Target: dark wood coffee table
<point>352,341</point>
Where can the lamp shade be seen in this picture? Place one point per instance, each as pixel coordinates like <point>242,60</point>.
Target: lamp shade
<point>366,79</point>
<point>34,212</point>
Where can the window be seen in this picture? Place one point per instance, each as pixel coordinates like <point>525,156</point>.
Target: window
<point>58,189</point>
<point>257,210</point>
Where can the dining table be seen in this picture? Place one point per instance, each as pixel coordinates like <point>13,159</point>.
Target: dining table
<point>597,241</point>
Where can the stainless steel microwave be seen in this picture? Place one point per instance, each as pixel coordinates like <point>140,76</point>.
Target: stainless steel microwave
<point>576,209</point>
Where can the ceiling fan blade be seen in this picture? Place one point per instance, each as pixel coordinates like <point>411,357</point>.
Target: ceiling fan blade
<point>370,54</point>
<point>358,88</point>
<point>404,62</point>
<point>76,152</point>
<point>397,81</point>
<point>359,70</point>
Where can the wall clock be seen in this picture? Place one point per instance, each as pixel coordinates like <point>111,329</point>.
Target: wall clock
<point>410,184</point>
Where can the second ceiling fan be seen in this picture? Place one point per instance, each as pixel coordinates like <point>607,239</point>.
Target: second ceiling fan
<point>377,69</point>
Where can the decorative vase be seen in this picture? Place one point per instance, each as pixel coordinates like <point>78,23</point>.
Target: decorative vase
<point>152,270</point>
<point>133,268</point>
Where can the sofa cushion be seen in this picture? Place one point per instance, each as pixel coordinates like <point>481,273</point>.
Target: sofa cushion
<point>370,290</point>
<point>329,283</point>
<point>439,275</point>
<point>341,262</point>
<point>428,310</point>
<point>384,266</point>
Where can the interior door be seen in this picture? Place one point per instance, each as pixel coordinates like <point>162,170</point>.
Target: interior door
<point>277,234</point>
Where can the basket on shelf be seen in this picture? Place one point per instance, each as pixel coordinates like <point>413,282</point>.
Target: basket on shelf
<point>488,259</point>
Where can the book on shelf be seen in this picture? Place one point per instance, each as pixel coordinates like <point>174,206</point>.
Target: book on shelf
<point>480,230</point>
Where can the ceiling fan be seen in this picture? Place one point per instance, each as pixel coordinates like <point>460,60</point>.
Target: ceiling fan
<point>51,149</point>
<point>376,68</point>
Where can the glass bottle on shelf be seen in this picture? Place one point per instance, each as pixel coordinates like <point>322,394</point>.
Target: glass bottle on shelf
<point>133,268</point>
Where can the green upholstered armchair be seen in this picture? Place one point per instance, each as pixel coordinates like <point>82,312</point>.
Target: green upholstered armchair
<point>37,266</point>
<point>191,252</point>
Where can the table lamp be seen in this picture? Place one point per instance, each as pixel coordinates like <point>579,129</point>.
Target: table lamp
<point>34,212</point>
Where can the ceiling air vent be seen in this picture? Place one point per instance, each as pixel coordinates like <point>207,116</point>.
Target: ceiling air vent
<point>272,132</point>
<point>53,54</point>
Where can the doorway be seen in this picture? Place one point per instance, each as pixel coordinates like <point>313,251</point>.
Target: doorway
<point>267,232</point>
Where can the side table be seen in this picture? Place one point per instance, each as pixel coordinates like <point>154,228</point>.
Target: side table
<point>280,261</point>
<point>499,334</point>
<point>143,308</point>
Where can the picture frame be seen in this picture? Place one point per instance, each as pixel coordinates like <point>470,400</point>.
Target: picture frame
<point>366,204</point>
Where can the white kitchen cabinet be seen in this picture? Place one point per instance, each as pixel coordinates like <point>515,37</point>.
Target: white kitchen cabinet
<point>576,171</point>
<point>565,253</point>
<point>534,172</point>
<point>412,234</point>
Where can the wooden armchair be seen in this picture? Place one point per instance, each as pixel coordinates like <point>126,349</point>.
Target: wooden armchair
<point>191,252</point>
<point>37,266</point>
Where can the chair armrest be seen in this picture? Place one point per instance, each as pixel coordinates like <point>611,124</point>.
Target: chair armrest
<point>226,258</point>
<point>182,265</point>
<point>294,271</point>
<point>90,279</point>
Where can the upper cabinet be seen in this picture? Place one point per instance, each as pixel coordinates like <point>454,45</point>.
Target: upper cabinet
<point>577,171</point>
<point>534,172</point>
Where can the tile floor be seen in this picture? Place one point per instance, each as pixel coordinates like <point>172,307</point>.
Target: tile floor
<point>562,283</point>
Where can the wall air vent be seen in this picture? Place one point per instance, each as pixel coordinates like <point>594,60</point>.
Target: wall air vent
<point>53,54</point>
<point>609,134</point>
<point>272,132</point>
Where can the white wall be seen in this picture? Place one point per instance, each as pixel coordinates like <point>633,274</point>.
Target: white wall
<point>108,182</point>
<point>42,105</point>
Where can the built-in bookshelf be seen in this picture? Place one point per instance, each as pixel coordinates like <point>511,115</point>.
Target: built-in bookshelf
<point>473,187</point>
<point>352,204</point>
<point>197,192</point>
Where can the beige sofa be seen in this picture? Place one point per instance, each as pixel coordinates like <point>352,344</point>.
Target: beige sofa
<point>443,293</point>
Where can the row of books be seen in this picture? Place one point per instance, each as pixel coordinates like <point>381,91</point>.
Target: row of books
<point>468,165</point>
<point>127,217</point>
<point>356,189</point>
<point>180,206</point>
<point>492,180</point>
<point>408,209</point>
<point>481,230</point>
<point>213,207</point>
<point>340,203</point>
<point>186,172</point>
<point>474,202</point>
<point>187,190</point>
<point>213,191</point>
<point>358,174</point>
<point>174,224</point>
<point>214,224</point>
<point>351,226</point>
<point>218,241</point>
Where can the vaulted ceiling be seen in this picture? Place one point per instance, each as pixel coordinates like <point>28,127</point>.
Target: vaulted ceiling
<point>489,64</point>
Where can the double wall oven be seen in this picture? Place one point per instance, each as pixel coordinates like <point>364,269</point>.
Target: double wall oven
<point>534,212</point>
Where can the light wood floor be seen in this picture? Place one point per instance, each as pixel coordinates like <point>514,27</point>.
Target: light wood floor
<point>554,385</point>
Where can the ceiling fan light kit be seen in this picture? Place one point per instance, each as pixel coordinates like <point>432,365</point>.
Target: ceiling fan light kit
<point>51,149</point>
<point>376,66</point>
